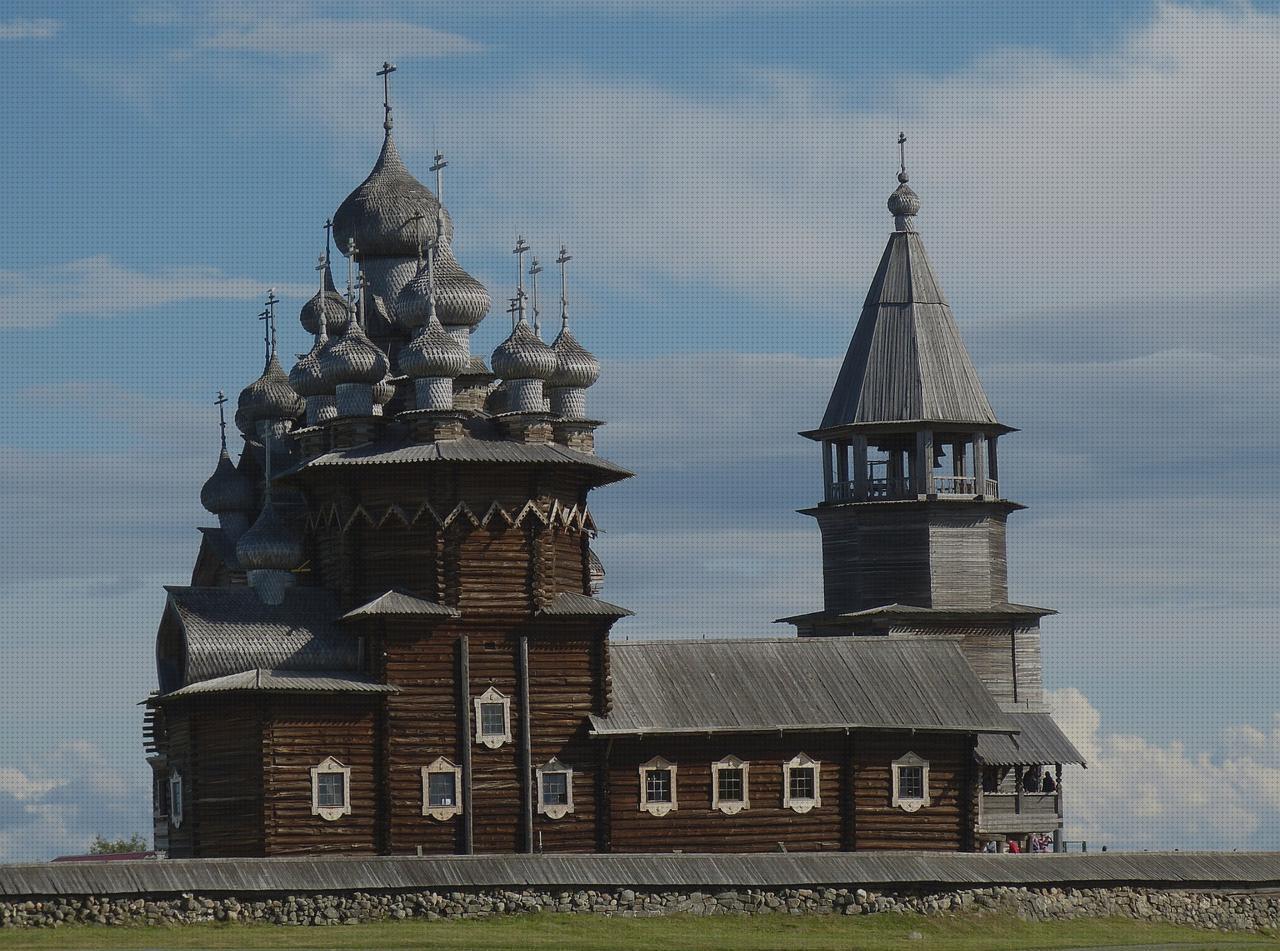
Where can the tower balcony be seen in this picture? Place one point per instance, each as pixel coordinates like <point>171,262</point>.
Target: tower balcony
<point>922,464</point>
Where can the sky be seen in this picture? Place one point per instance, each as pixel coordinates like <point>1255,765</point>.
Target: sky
<point>1101,190</point>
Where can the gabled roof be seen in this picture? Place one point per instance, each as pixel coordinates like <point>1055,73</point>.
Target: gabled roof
<point>572,604</point>
<point>907,361</point>
<point>284,681</point>
<point>1006,609</point>
<point>395,603</point>
<point>820,683</point>
<point>1038,743</point>
<point>230,630</point>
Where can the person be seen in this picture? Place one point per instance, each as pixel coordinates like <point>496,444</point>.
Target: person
<point>1031,780</point>
<point>1050,785</point>
<point>1013,847</point>
<point>989,846</point>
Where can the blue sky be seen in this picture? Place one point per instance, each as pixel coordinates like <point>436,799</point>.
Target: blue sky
<point>1099,185</point>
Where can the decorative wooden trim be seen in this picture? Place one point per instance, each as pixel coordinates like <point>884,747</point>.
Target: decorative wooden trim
<point>801,804</point>
<point>493,740</point>
<point>176,803</point>
<point>330,765</point>
<point>913,804</point>
<point>555,810</point>
<point>441,813</point>
<point>657,808</point>
<point>730,807</point>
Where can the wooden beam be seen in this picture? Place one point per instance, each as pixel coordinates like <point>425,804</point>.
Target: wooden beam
<point>526,743</point>
<point>859,467</point>
<point>464,719</point>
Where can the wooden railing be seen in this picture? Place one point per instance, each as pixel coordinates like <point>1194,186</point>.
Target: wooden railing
<point>1025,812</point>
<point>883,488</point>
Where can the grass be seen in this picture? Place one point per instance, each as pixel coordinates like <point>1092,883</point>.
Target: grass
<point>727,933</point>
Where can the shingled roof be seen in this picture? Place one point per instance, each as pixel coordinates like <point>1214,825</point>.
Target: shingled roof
<point>907,362</point>
<point>819,683</point>
<point>230,630</point>
<point>1039,742</point>
<point>395,603</point>
<point>284,681</point>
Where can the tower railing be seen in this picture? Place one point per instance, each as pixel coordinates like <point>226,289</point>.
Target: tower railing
<point>882,488</point>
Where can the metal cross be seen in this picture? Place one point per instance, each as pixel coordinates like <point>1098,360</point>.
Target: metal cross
<point>385,73</point>
<point>328,233</point>
<point>351,256</point>
<point>519,251</point>
<point>902,152</point>
<point>220,402</point>
<point>564,259</point>
<point>439,165</point>
<point>272,300</point>
<point>512,309</point>
<point>265,317</point>
<point>534,270</point>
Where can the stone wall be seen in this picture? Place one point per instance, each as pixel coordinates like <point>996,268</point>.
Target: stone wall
<point>1218,910</point>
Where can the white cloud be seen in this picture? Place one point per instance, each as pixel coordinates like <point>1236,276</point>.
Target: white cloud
<point>352,40</point>
<point>102,287</point>
<point>27,29</point>
<point>1140,794</point>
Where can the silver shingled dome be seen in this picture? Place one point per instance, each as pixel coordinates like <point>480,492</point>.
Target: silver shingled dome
<point>352,358</point>
<point>268,397</point>
<point>228,489</point>
<point>522,356</point>
<point>269,543</point>
<point>575,365</point>
<point>336,311</point>
<point>433,352</point>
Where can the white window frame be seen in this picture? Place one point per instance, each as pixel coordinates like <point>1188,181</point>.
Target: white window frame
<point>657,808</point>
<point>442,765</point>
<point>730,807</point>
<point>911,804</point>
<point>493,740</point>
<point>176,804</point>
<point>798,803</point>
<point>330,813</point>
<point>560,809</point>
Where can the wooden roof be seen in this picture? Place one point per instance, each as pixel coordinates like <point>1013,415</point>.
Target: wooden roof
<point>283,681</point>
<point>572,604</point>
<point>815,683</point>
<point>1039,742</point>
<point>230,630</point>
<point>311,874</point>
<point>395,603</point>
<point>907,362</point>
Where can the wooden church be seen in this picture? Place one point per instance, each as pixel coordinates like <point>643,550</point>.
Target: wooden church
<point>393,642</point>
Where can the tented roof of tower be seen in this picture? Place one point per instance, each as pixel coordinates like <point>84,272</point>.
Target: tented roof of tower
<point>907,362</point>
<point>796,684</point>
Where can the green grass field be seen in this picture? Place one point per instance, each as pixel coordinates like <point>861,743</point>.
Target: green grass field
<point>570,932</point>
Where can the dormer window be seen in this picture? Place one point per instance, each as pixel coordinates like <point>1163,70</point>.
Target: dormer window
<point>801,791</point>
<point>910,782</point>
<point>441,790</point>
<point>175,798</point>
<point>658,787</point>
<point>729,785</point>
<point>493,718</point>
<point>330,790</point>
<point>555,790</point>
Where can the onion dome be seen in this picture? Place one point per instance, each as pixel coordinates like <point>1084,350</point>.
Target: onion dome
<point>227,490</point>
<point>413,304</point>
<point>904,203</point>
<point>461,300</point>
<point>384,391</point>
<point>333,307</point>
<point>305,377</point>
<point>352,358</point>
<point>433,352</point>
<point>390,213</point>
<point>522,356</point>
<point>576,366</point>
<point>268,397</point>
<point>269,544</point>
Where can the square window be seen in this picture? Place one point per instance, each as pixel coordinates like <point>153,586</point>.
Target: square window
<point>910,782</point>
<point>331,790</point>
<point>555,789</point>
<point>493,719</point>
<point>802,786</point>
<point>657,785</point>
<point>729,783</point>
<point>442,790</point>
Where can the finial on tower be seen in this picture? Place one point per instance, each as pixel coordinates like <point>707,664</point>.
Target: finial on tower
<point>534,270</point>
<point>220,402</point>
<point>385,73</point>
<point>904,203</point>
<point>902,157</point>
<point>328,233</point>
<point>513,308</point>
<point>438,166</point>
<point>351,256</point>
<point>565,258</point>
<point>265,317</point>
<point>272,300</point>
<point>519,250</point>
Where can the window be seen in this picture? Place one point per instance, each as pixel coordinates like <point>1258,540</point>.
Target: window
<point>729,785</point>
<point>658,787</point>
<point>441,790</point>
<point>330,790</point>
<point>493,718</point>
<point>910,782</point>
<point>175,798</point>
<point>801,783</point>
<point>555,790</point>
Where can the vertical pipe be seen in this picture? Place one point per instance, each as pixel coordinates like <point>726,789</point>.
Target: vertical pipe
<point>526,744</point>
<point>464,700</point>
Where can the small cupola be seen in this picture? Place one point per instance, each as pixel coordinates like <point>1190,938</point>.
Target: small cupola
<point>576,367</point>
<point>353,365</point>
<point>268,404</point>
<point>228,493</point>
<point>270,550</point>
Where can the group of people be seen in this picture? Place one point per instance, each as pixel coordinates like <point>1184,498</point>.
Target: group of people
<point>1036,842</point>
